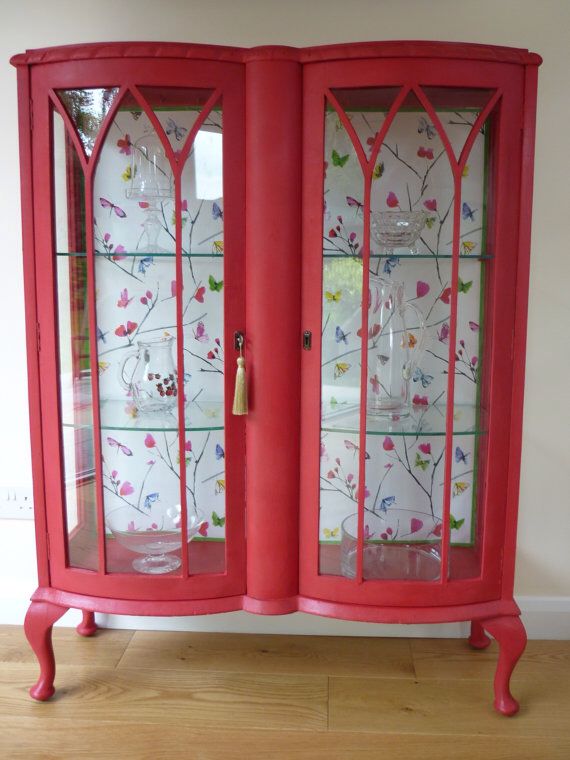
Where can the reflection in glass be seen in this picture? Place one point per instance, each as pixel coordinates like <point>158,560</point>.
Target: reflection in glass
<point>87,109</point>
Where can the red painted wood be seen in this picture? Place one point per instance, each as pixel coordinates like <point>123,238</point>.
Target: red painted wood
<point>511,637</point>
<point>478,639</point>
<point>273,340</point>
<point>38,627</point>
<point>88,626</point>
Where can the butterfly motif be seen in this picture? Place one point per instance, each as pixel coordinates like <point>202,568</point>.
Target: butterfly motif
<point>218,247</point>
<point>220,453</point>
<point>383,359</point>
<point>341,336</point>
<point>124,299</point>
<point>378,171</point>
<point>459,487</point>
<point>409,340</point>
<point>390,263</point>
<point>103,366</point>
<point>101,335</point>
<point>215,285</point>
<point>145,263</point>
<point>425,153</point>
<point>375,383</point>
<point>200,333</point>
<point>455,524</point>
<point>443,334</point>
<point>430,221</point>
<point>353,203</point>
<point>339,160</point>
<point>368,534</point>
<point>173,128</point>
<point>150,499</point>
<point>127,175</point>
<point>203,529</point>
<point>467,212</point>
<point>333,297</point>
<point>126,489</point>
<point>460,455</point>
<point>112,207</point>
<point>425,126</point>
<point>464,287</point>
<point>340,368</point>
<point>217,521</point>
<point>136,115</point>
<point>353,447</point>
<point>220,486</point>
<point>217,212</point>
<point>421,463</point>
<point>124,331</point>
<point>467,247</point>
<point>420,376</point>
<point>373,332</point>
<point>124,144</point>
<point>386,502</point>
<point>331,533</point>
<point>473,326</point>
<point>119,446</point>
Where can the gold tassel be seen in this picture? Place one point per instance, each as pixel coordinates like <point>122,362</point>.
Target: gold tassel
<point>240,395</point>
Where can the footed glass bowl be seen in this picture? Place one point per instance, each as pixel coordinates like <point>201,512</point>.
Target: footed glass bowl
<point>153,535</point>
<point>400,544</point>
<point>397,229</point>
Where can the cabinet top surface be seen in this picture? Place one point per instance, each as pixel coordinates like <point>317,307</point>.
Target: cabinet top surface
<point>348,50</point>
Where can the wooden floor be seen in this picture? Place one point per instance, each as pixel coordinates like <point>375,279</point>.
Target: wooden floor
<point>149,695</point>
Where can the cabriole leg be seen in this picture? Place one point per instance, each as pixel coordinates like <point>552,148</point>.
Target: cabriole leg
<point>511,637</point>
<point>38,627</point>
<point>478,639</point>
<point>88,626</point>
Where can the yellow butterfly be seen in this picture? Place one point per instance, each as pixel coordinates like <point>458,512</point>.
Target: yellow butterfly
<point>467,246</point>
<point>103,367</point>
<point>331,533</point>
<point>340,368</point>
<point>378,171</point>
<point>333,297</point>
<point>127,175</point>
<point>411,340</point>
<point>218,246</point>
<point>465,171</point>
<point>459,487</point>
<point>220,486</point>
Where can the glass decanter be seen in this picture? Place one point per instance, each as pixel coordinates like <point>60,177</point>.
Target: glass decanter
<point>153,382</point>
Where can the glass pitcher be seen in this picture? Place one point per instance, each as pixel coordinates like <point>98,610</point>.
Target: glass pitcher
<point>394,348</point>
<point>153,382</point>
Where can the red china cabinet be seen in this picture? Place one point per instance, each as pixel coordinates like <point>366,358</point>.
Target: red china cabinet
<point>353,219</point>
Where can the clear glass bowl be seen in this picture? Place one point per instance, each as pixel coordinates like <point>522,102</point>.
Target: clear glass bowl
<point>154,535</point>
<point>400,544</point>
<point>397,229</point>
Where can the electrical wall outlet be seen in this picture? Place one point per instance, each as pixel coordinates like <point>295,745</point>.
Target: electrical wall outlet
<point>16,503</point>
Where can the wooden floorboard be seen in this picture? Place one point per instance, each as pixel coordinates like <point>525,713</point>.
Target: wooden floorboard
<point>240,697</point>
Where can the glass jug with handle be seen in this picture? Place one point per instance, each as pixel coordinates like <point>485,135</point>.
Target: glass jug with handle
<point>153,381</point>
<point>395,344</point>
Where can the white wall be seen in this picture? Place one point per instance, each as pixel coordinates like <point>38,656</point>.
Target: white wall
<point>543,567</point>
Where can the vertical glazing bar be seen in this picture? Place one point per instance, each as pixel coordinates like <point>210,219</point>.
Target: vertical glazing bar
<point>177,169</point>
<point>363,375</point>
<point>93,360</point>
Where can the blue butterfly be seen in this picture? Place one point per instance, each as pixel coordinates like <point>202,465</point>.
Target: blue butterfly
<point>220,453</point>
<point>387,502</point>
<point>150,499</point>
<point>460,455</point>
<point>419,375</point>
<point>145,263</point>
<point>217,212</point>
<point>101,335</point>
<point>340,336</point>
<point>173,128</point>
<point>425,126</point>
<point>390,263</point>
<point>468,213</point>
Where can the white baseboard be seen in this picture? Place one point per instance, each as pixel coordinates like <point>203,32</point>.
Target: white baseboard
<point>545,617</point>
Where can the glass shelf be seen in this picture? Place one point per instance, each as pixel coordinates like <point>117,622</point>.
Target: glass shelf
<point>428,421</point>
<point>115,416</point>
<point>420,256</point>
<point>140,255</point>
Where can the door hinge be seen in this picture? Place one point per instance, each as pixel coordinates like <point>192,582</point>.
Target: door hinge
<point>38,338</point>
<point>307,340</point>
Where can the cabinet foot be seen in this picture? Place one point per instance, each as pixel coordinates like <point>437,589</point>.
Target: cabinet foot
<point>478,639</point>
<point>511,638</point>
<point>38,627</point>
<point>88,626</point>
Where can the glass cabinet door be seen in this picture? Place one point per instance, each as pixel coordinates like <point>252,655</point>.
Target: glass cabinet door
<point>408,311</point>
<point>147,308</point>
